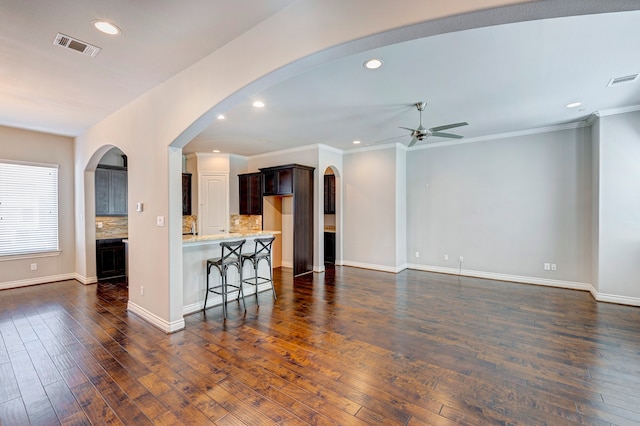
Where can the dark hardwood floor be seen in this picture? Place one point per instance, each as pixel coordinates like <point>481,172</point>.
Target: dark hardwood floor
<point>350,347</point>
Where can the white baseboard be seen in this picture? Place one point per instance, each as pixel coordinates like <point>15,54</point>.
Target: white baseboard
<point>285,264</point>
<point>37,280</point>
<point>612,298</point>
<point>504,277</point>
<point>383,268</point>
<point>167,327</point>
<point>85,280</point>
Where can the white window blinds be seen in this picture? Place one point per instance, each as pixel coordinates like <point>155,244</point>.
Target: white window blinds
<point>28,208</point>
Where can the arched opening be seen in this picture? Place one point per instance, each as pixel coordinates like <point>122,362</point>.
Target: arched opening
<point>107,217</point>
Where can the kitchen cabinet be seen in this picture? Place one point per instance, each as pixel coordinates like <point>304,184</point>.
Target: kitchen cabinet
<point>329,194</point>
<point>250,185</point>
<point>330,247</point>
<point>110,258</point>
<point>295,180</point>
<point>111,191</point>
<point>186,194</point>
<point>277,180</point>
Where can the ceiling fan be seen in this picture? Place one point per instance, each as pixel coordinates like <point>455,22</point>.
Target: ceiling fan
<point>421,133</point>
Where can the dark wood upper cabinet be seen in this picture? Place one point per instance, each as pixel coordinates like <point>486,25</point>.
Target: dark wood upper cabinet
<point>186,194</point>
<point>329,194</point>
<point>277,181</point>
<point>250,185</point>
<point>295,180</point>
<point>111,191</point>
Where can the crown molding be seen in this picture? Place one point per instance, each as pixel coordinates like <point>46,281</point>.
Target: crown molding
<point>616,111</point>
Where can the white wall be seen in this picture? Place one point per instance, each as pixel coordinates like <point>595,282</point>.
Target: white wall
<point>507,205</point>
<point>619,207</point>
<point>30,146</point>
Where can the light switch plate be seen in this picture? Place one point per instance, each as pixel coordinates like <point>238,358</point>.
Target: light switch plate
<point>160,221</point>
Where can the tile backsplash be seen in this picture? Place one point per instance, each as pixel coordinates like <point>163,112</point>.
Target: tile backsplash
<point>112,227</point>
<point>189,222</point>
<point>242,222</point>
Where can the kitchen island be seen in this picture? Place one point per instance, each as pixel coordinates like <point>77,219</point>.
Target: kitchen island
<point>196,249</point>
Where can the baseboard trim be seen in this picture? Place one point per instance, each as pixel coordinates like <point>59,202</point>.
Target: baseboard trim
<point>612,298</point>
<point>153,319</point>
<point>573,285</point>
<point>85,280</point>
<point>39,280</point>
<point>383,268</point>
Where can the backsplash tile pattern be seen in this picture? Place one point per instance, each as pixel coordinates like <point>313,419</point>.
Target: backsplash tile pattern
<point>189,223</point>
<point>112,227</point>
<point>242,222</point>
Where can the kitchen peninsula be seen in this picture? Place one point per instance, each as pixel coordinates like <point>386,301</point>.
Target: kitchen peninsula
<point>196,249</point>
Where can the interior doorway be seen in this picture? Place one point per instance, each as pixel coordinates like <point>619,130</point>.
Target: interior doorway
<point>330,214</point>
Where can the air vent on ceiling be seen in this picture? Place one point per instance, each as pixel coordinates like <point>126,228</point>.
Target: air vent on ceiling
<point>77,45</point>
<point>623,80</point>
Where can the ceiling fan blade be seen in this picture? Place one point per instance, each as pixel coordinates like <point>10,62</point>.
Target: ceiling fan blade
<point>413,142</point>
<point>406,128</point>
<point>446,135</point>
<point>448,126</point>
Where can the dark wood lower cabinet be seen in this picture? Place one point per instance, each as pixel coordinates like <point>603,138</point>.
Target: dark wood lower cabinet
<point>110,258</point>
<point>329,247</point>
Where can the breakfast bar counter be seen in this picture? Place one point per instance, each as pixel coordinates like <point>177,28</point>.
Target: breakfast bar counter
<point>196,249</point>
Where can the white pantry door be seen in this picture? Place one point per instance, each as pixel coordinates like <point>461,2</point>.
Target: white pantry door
<point>214,200</point>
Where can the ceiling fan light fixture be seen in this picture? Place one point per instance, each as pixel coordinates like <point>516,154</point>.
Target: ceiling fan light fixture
<point>574,104</point>
<point>373,64</point>
<point>107,27</point>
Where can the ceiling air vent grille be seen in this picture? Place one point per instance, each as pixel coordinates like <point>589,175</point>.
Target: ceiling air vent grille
<point>623,80</point>
<point>77,45</point>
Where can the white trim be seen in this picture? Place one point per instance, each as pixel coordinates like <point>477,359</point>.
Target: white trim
<point>568,126</point>
<point>504,277</point>
<point>85,280</point>
<point>31,163</point>
<point>390,145</point>
<point>318,268</point>
<point>383,268</point>
<point>616,111</point>
<point>285,264</point>
<point>35,281</point>
<point>612,298</point>
<point>284,151</point>
<point>30,255</point>
<point>153,319</point>
<point>330,148</point>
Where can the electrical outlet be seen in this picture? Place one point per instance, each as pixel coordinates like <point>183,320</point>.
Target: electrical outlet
<point>547,266</point>
<point>34,266</point>
<point>141,290</point>
<point>99,225</point>
<point>446,257</point>
<point>461,259</point>
<point>553,267</point>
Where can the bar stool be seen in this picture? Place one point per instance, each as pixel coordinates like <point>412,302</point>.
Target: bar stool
<point>231,256</point>
<point>261,252</point>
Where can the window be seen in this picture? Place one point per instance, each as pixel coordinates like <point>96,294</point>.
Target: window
<point>28,208</point>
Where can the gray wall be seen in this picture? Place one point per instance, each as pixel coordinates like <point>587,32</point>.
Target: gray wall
<point>29,146</point>
<point>370,208</point>
<point>619,205</point>
<point>507,205</point>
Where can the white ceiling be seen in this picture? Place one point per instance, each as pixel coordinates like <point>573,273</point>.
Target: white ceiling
<point>500,79</point>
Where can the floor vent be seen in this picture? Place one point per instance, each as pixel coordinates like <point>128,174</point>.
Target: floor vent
<point>77,45</point>
<point>623,80</point>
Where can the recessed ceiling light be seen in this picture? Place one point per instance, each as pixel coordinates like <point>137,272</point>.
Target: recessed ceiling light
<point>258,104</point>
<point>106,27</point>
<point>220,116</point>
<point>356,142</point>
<point>216,150</point>
<point>574,104</point>
<point>373,64</point>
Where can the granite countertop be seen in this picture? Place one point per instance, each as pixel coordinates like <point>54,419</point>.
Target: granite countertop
<point>226,236</point>
<point>112,237</point>
<point>330,229</point>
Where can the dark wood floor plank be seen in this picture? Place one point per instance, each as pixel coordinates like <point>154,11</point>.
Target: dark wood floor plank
<point>349,346</point>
